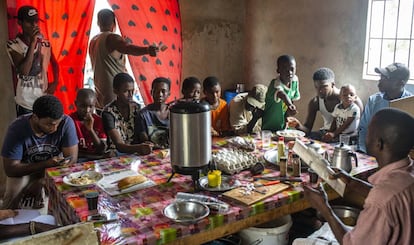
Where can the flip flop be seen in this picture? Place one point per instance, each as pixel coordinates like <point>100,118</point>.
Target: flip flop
<point>31,202</point>
<point>38,203</point>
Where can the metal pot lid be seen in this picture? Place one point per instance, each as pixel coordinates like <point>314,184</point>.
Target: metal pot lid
<point>190,107</point>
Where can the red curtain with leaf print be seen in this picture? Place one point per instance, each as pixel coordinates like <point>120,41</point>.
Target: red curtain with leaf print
<point>67,25</point>
<point>147,22</point>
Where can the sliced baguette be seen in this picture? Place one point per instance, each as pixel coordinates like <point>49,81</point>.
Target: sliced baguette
<point>131,181</point>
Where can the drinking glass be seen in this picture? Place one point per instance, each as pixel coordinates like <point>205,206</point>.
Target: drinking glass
<point>344,138</point>
<point>266,138</point>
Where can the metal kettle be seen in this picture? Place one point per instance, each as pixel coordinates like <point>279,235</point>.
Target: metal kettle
<point>190,134</point>
<point>342,157</point>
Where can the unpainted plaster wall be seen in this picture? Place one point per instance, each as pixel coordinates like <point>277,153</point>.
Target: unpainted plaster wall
<point>213,40</point>
<point>252,34</point>
<point>6,88</point>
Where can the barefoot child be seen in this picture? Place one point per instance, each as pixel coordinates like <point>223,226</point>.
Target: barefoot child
<point>281,92</point>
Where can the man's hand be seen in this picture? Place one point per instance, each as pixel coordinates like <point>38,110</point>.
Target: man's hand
<point>354,186</point>
<point>51,88</point>
<point>317,197</point>
<point>7,213</point>
<point>88,122</point>
<point>152,50</point>
<point>58,161</point>
<point>36,36</point>
<point>144,148</point>
<point>341,174</point>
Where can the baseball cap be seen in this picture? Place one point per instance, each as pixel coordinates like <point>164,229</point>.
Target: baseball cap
<point>395,71</point>
<point>256,97</point>
<point>27,13</point>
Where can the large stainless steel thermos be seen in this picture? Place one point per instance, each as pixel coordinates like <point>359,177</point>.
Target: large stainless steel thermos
<point>190,134</point>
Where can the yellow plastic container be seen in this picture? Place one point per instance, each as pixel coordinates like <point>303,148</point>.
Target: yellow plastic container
<point>214,178</point>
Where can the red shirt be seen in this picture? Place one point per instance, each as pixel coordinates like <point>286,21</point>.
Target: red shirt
<point>85,139</point>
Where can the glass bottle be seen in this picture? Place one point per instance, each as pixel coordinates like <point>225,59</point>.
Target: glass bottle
<point>281,147</point>
<point>283,166</point>
<point>296,165</point>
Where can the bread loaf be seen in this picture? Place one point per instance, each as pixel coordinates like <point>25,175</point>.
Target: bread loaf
<point>131,181</point>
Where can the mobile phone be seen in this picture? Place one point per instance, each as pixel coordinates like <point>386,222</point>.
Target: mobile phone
<point>64,160</point>
<point>97,217</point>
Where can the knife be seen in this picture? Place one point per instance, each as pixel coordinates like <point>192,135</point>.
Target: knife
<point>274,182</point>
<point>291,179</point>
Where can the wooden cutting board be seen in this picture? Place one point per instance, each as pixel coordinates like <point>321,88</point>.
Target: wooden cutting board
<point>237,193</point>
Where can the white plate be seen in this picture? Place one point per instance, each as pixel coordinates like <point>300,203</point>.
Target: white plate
<point>88,174</point>
<point>227,183</point>
<point>110,186</point>
<point>290,134</point>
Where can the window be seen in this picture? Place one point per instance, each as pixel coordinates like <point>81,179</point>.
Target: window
<point>390,36</point>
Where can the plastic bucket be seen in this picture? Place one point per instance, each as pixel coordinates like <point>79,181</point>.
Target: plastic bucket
<point>275,232</point>
<point>229,95</point>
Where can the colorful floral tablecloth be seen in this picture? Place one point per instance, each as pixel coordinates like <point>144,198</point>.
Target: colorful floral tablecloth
<point>140,213</point>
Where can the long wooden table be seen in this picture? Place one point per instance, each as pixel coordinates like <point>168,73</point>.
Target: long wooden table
<point>141,219</point>
<point>228,229</point>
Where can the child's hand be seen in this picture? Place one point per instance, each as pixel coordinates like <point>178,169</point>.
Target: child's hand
<point>88,122</point>
<point>291,110</point>
<point>292,122</point>
<point>214,132</point>
<point>328,137</point>
<point>257,112</point>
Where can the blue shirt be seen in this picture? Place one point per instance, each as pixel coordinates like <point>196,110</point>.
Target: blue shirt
<point>22,144</point>
<point>375,103</point>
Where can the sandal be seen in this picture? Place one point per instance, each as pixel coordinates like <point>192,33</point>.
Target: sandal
<point>38,203</point>
<point>31,202</point>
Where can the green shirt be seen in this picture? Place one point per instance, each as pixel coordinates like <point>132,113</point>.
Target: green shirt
<point>275,109</point>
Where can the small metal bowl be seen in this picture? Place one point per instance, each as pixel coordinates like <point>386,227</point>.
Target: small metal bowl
<point>348,215</point>
<point>186,211</point>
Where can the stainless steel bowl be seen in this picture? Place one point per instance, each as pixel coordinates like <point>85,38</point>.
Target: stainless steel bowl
<point>348,215</point>
<point>186,211</point>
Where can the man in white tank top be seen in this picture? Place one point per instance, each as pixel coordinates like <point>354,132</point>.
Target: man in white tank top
<point>30,54</point>
<point>325,101</point>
